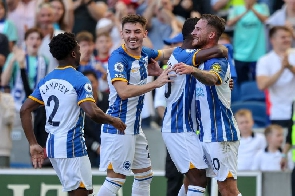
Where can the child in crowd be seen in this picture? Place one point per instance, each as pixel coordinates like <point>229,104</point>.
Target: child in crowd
<point>250,142</point>
<point>269,159</point>
<point>103,45</point>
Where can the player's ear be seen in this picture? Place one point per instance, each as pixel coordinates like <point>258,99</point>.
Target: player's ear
<point>73,54</point>
<point>145,34</point>
<point>212,35</point>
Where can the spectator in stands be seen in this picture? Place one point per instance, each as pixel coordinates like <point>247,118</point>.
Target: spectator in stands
<point>164,24</point>
<point>103,45</point>
<point>7,27</point>
<point>284,16</point>
<point>6,123</point>
<point>35,65</point>
<point>4,51</point>
<point>22,13</point>
<point>92,129</point>
<point>269,158</point>
<point>87,60</point>
<point>86,15</point>
<point>44,19</point>
<point>248,20</point>
<point>63,14</point>
<point>111,22</point>
<point>275,73</point>
<point>250,142</point>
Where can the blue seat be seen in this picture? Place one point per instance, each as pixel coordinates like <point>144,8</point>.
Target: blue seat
<point>258,110</point>
<point>249,92</point>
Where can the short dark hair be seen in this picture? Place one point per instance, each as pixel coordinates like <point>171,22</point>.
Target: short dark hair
<point>33,30</point>
<point>90,72</point>
<point>216,22</point>
<point>188,27</point>
<point>275,29</point>
<point>134,18</point>
<point>84,36</point>
<point>62,45</point>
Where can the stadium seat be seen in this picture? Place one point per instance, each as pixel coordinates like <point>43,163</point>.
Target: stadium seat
<point>249,92</point>
<point>258,110</point>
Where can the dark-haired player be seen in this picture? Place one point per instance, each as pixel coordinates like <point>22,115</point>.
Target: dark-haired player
<point>127,77</point>
<point>62,92</point>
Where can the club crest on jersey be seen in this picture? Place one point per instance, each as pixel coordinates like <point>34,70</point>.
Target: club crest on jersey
<point>119,67</point>
<point>127,165</point>
<point>88,87</point>
<point>216,67</point>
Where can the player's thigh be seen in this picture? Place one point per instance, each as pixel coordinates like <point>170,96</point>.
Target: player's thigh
<point>142,158</point>
<point>185,150</point>
<point>117,152</point>
<point>73,172</point>
<point>222,158</point>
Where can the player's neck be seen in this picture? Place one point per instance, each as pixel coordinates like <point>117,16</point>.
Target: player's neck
<point>65,63</point>
<point>136,52</point>
<point>187,45</point>
<point>209,45</point>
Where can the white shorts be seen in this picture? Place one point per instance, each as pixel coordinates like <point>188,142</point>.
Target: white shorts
<point>222,159</point>
<point>185,149</point>
<point>72,172</point>
<point>124,152</point>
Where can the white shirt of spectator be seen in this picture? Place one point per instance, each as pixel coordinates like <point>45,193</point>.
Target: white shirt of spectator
<point>270,161</point>
<point>280,95</point>
<point>248,149</point>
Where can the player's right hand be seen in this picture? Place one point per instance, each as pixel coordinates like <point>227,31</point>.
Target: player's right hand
<point>37,155</point>
<point>118,124</point>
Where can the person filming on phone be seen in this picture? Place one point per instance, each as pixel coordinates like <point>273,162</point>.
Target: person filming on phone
<point>275,73</point>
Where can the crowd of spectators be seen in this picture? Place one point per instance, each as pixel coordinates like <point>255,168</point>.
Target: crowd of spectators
<point>259,35</point>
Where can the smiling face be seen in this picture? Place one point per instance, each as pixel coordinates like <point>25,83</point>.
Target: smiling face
<point>33,42</point>
<point>45,17</point>
<point>58,10</point>
<point>200,34</point>
<point>133,34</point>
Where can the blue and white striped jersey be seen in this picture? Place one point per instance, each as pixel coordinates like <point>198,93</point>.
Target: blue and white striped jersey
<point>133,70</point>
<point>215,118</point>
<point>62,91</point>
<point>180,114</point>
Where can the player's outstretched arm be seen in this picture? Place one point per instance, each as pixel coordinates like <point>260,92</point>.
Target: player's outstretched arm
<point>96,114</point>
<point>36,151</point>
<point>126,91</point>
<point>166,53</point>
<point>218,51</point>
<point>205,77</point>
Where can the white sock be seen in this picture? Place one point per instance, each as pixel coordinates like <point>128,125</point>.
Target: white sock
<point>240,194</point>
<point>141,183</point>
<point>110,186</point>
<point>195,191</point>
<point>182,191</point>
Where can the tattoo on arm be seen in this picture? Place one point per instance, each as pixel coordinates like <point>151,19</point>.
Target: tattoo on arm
<point>205,77</point>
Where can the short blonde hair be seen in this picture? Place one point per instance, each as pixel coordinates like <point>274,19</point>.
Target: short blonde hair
<point>243,112</point>
<point>269,129</point>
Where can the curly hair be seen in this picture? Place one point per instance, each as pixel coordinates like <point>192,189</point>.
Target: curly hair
<point>134,18</point>
<point>62,45</point>
<point>188,27</point>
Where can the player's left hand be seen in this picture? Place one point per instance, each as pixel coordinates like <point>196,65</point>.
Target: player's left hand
<point>181,68</point>
<point>37,155</point>
<point>231,84</point>
<point>154,69</point>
